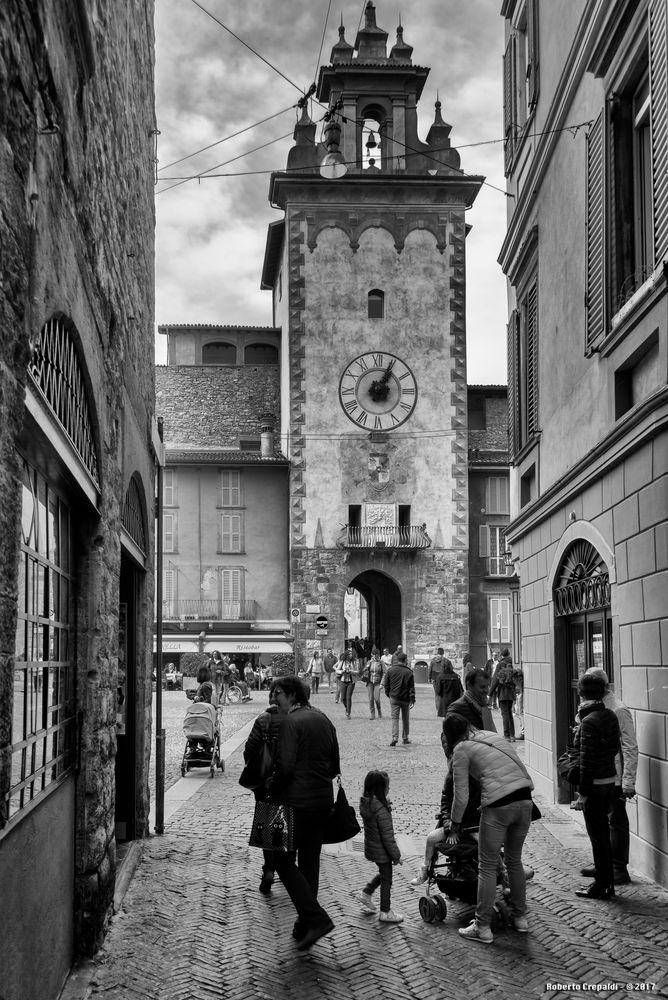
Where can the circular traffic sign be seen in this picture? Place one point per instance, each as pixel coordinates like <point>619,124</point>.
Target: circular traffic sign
<point>321,621</point>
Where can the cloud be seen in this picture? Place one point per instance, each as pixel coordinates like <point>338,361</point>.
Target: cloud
<point>211,233</point>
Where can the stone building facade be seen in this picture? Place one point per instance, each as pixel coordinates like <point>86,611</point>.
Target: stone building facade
<point>367,270</point>
<point>492,585</point>
<point>586,97</point>
<point>76,472</point>
<point>225,494</point>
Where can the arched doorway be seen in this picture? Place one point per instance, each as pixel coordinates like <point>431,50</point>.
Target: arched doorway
<point>583,630</point>
<point>383,600</point>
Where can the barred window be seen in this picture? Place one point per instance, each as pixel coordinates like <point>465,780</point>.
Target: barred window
<point>43,717</point>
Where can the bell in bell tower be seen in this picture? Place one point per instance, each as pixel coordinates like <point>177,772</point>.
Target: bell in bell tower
<point>367,269</point>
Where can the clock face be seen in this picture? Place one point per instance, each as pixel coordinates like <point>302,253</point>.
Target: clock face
<point>378,391</point>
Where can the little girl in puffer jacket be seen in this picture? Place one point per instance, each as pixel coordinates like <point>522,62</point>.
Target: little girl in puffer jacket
<point>379,844</point>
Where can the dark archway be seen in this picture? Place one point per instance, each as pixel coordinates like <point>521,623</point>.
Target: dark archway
<point>383,598</point>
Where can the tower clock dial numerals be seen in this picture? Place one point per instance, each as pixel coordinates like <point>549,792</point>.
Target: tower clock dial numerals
<point>377,391</point>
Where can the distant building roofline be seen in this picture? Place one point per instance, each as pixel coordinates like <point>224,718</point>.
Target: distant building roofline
<point>167,328</point>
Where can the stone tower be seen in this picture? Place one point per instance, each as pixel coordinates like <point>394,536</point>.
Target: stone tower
<point>367,272</point>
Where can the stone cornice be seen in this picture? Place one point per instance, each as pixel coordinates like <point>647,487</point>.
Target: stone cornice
<point>382,190</point>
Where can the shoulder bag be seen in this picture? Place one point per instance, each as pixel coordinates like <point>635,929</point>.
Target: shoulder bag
<point>568,766</point>
<point>273,827</point>
<point>257,771</point>
<point>342,823</point>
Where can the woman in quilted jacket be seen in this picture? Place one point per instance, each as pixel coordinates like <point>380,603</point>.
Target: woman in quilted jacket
<point>598,743</point>
<point>379,844</point>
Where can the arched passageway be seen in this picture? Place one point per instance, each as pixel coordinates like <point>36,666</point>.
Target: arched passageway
<point>383,598</point>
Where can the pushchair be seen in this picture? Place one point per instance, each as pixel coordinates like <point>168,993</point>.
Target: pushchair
<point>201,730</point>
<point>453,873</point>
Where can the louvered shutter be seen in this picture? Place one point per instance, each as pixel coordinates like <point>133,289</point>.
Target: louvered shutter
<point>513,386</point>
<point>595,235</point>
<point>509,102</point>
<point>231,533</point>
<point>231,585</point>
<point>492,499</point>
<point>658,69</point>
<point>533,80</point>
<point>532,359</point>
<point>483,541</point>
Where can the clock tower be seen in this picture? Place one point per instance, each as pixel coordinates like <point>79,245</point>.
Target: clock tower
<point>367,272</point>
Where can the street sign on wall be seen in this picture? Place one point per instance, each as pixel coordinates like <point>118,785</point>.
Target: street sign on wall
<point>321,624</point>
<point>295,615</point>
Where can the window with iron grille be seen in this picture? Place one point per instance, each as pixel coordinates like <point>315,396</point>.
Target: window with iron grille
<point>134,520</point>
<point>56,372</point>
<point>43,713</point>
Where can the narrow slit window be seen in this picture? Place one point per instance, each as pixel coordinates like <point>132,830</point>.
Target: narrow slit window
<point>376,300</point>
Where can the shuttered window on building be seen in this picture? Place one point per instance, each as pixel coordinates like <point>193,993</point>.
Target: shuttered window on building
<point>231,533</point>
<point>658,67</point>
<point>509,105</point>
<point>231,586</point>
<point>595,236</point>
<point>513,385</point>
<point>533,74</point>
<point>499,612</point>
<point>531,376</point>
<point>497,499</point>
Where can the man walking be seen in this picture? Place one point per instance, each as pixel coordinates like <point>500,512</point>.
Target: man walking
<point>626,765</point>
<point>400,688</point>
<point>328,663</point>
<point>306,762</point>
<point>472,706</point>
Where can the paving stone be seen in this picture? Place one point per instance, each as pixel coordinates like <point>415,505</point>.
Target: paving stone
<point>194,925</point>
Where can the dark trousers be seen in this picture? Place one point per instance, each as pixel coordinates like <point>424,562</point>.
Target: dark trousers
<point>618,821</point>
<point>347,688</point>
<point>596,808</point>
<point>384,880</point>
<point>299,870</point>
<point>507,717</point>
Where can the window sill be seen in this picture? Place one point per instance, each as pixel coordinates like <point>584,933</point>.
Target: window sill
<point>626,318</point>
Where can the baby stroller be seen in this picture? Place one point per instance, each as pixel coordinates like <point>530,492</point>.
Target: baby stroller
<point>200,728</point>
<point>454,873</point>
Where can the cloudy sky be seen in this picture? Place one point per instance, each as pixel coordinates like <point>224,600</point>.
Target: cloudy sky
<point>211,232</point>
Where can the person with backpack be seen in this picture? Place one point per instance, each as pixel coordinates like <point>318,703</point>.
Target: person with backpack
<point>503,684</point>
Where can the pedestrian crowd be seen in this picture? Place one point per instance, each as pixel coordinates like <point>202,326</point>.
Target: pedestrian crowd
<point>486,807</point>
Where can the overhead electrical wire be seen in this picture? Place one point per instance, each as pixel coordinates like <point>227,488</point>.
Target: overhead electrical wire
<point>228,137</point>
<point>206,173</point>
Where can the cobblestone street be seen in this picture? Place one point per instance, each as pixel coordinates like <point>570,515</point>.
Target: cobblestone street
<point>193,925</point>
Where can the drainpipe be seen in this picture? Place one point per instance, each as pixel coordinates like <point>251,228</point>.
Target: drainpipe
<point>159,731</point>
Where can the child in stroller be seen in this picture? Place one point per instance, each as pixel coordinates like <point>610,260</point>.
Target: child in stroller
<point>200,728</point>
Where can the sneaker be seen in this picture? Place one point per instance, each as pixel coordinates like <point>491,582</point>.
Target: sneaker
<point>366,901</point>
<point>393,743</point>
<point>421,876</point>
<point>390,917</point>
<point>475,933</point>
<point>521,924</point>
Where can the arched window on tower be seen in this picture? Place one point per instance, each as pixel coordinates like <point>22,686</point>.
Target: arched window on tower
<point>261,354</point>
<point>219,353</point>
<point>376,300</point>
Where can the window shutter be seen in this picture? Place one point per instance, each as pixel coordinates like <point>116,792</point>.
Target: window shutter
<point>231,586</point>
<point>483,541</point>
<point>595,235</point>
<point>231,533</point>
<point>491,500</point>
<point>509,102</point>
<point>532,45</point>
<point>513,386</point>
<point>658,69</point>
<point>532,360</point>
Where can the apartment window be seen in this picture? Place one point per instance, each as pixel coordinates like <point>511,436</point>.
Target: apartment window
<point>376,304</point>
<point>169,533</point>
<point>520,77</point>
<point>169,593</point>
<point>219,353</point>
<point>497,495</point>
<point>627,179</point>
<point>231,533</point>
<point>499,619</point>
<point>169,488</point>
<point>492,544</point>
<point>42,721</point>
<point>231,585</point>
<point>523,369</point>
<point>230,488</point>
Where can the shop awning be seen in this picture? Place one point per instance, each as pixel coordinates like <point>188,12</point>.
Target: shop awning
<point>225,644</point>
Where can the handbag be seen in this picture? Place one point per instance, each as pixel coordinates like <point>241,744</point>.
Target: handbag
<point>273,827</point>
<point>342,823</point>
<point>535,811</point>
<point>568,766</point>
<point>257,771</point>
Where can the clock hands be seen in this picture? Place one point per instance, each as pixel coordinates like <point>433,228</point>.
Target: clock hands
<point>379,389</point>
